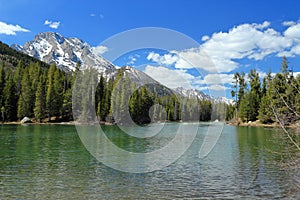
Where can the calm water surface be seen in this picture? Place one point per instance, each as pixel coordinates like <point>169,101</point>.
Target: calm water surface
<point>50,162</point>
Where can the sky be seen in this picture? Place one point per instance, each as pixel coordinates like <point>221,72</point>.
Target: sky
<point>225,36</point>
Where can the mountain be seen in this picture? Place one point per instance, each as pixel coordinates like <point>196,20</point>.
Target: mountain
<point>64,52</point>
<point>11,57</point>
<point>141,79</point>
<point>192,93</point>
<point>224,100</point>
<point>196,94</point>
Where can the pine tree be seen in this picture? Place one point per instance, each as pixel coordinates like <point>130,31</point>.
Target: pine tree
<point>244,109</point>
<point>40,100</point>
<point>99,100</point>
<point>2,83</point>
<point>10,98</point>
<point>254,96</point>
<point>58,85</point>
<point>25,103</point>
<point>50,92</point>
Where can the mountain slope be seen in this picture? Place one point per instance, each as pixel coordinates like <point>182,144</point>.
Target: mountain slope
<point>11,57</point>
<point>142,79</point>
<point>192,93</point>
<point>196,94</point>
<point>64,52</point>
<point>52,47</point>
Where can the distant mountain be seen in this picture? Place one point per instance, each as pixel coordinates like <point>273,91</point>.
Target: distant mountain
<point>196,94</point>
<point>10,57</point>
<point>192,93</point>
<point>224,100</point>
<point>140,79</point>
<point>64,52</point>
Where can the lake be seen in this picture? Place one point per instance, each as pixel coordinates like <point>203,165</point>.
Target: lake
<point>51,162</point>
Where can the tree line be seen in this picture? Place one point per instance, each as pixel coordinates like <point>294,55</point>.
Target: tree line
<point>50,94</point>
<point>34,91</point>
<point>273,98</point>
<point>123,101</point>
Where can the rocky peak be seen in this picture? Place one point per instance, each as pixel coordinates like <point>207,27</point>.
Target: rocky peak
<point>52,47</point>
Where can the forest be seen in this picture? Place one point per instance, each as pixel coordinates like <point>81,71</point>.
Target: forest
<point>47,94</point>
<point>269,99</point>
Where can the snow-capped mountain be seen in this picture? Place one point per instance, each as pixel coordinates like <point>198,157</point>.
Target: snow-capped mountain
<point>224,100</point>
<point>192,93</point>
<point>52,47</point>
<point>64,52</point>
<point>196,94</point>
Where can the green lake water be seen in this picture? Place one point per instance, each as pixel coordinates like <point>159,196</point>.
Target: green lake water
<point>51,162</point>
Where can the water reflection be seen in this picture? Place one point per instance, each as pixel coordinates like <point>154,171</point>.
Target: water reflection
<point>50,162</point>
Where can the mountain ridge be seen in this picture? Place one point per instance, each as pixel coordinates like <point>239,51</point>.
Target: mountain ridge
<point>66,53</point>
<point>52,47</point>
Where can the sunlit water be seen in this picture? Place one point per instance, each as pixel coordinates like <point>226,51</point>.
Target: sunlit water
<point>50,162</point>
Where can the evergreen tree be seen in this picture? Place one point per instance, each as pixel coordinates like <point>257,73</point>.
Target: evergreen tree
<point>10,98</point>
<point>2,83</point>
<point>58,85</point>
<point>50,92</point>
<point>40,100</point>
<point>244,110</point>
<point>25,103</point>
<point>254,96</point>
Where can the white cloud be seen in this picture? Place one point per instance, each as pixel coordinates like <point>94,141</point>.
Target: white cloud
<point>132,60</point>
<point>252,41</point>
<point>214,88</point>
<point>216,79</point>
<point>288,23</point>
<point>93,15</point>
<point>167,59</point>
<point>51,24</point>
<point>222,51</point>
<point>181,78</point>
<point>218,87</point>
<point>9,29</point>
<point>205,38</point>
<point>99,50</point>
<point>170,78</point>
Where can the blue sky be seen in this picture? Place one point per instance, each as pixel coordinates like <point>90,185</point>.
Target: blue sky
<point>236,35</point>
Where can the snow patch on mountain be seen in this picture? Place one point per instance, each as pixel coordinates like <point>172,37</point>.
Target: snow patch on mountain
<point>52,47</point>
<point>196,94</point>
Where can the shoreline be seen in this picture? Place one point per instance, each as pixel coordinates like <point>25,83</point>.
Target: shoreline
<point>230,123</point>
<point>259,124</point>
<point>250,124</point>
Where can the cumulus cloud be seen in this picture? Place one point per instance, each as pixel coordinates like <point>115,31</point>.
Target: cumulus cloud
<point>99,50</point>
<point>214,88</point>
<point>9,29</point>
<point>181,78</point>
<point>288,23</point>
<point>166,59</point>
<point>170,78</point>
<point>216,79</point>
<point>51,24</point>
<point>252,41</point>
<point>222,51</point>
<point>205,38</point>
